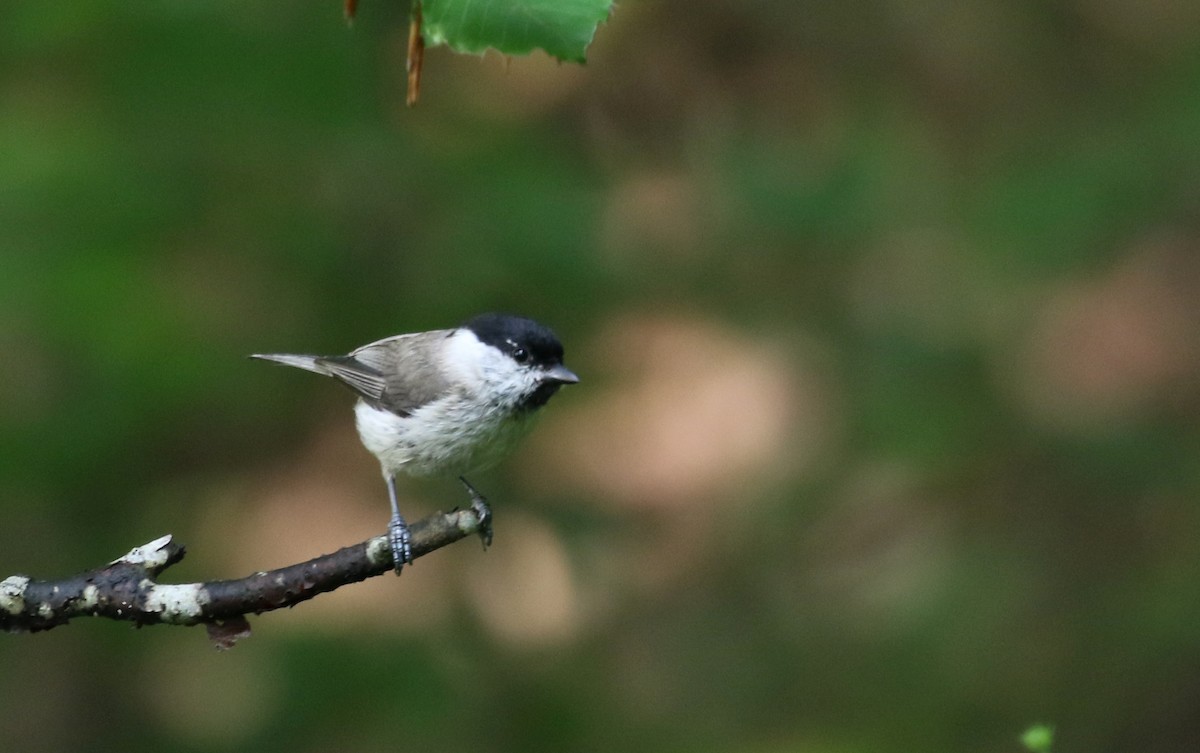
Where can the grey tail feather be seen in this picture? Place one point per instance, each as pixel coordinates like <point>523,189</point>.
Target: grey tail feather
<point>308,363</point>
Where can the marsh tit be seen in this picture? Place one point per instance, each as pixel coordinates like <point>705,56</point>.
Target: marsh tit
<point>446,402</point>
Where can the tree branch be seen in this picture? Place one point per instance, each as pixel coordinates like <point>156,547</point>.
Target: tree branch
<point>126,589</point>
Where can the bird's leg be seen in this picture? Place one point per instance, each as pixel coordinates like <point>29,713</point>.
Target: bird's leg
<point>479,504</point>
<point>398,535</point>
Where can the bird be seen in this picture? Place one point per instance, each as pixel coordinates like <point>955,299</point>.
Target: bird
<point>446,402</point>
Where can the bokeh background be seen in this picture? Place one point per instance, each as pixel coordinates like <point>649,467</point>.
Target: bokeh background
<point>888,318</point>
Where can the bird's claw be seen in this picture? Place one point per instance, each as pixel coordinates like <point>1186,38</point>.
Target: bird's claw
<point>401,542</point>
<point>479,505</point>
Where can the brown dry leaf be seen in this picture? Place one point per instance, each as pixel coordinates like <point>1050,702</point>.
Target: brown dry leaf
<point>226,633</point>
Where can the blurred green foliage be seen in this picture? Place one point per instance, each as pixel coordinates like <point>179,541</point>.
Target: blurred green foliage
<point>976,224</point>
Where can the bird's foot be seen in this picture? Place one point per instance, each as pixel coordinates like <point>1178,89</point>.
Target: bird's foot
<point>483,511</point>
<point>401,542</point>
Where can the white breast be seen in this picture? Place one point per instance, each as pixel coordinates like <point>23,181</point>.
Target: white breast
<point>440,440</point>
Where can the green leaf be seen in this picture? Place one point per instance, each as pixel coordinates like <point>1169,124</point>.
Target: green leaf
<point>563,28</point>
<point>1038,738</point>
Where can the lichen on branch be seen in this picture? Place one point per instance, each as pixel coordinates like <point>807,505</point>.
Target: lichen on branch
<point>127,589</point>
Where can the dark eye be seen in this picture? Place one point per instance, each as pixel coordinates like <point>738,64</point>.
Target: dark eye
<point>520,355</point>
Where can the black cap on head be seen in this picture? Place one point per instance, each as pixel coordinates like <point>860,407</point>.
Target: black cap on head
<point>515,334</point>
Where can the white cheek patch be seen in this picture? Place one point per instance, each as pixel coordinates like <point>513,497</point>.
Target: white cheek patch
<point>465,357</point>
<point>482,368</point>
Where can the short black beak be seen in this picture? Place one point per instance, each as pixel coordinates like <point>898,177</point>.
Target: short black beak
<point>560,375</point>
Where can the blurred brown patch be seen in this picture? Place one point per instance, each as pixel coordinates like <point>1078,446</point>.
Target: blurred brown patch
<point>658,211</point>
<point>523,591</point>
<point>1108,349</point>
<point>693,410</point>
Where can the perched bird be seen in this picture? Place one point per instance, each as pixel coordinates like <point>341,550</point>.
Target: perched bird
<point>447,401</point>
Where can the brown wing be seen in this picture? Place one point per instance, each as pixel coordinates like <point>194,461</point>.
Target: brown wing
<point>397,373</point>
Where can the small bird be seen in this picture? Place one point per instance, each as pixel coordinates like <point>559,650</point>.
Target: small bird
<point>447,401</point>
